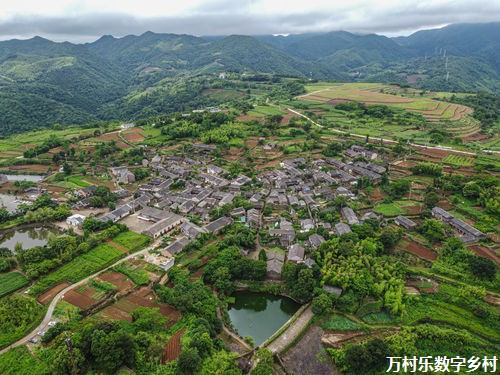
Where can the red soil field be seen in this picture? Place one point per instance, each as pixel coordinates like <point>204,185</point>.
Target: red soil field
<point>81,300</point>
<point>483,251</point>
<point>30,168</point>
<point>420,251</point>
<point>122,145</point>
<point>49,295</point>
<point>134,135</point>
<point>114,313</point>
<point>118,246</point>
<point>109,136</point>
<point>413,210</point>
<point>122,282</point>
<point>173,348</point>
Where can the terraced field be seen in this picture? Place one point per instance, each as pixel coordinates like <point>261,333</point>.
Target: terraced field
<point>374,93</point>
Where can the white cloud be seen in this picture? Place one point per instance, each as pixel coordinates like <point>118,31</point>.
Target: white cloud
<point>81,20</point>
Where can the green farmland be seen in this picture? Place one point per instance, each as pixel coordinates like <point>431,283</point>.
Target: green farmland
<point>10,282</point>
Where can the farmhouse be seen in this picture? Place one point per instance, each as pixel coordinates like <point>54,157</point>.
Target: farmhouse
<point>191,230</point>
<point>275,261</point>
<point>315,240</point>
<point>342,228</point>
<point>349,215</point>
<point>442,215</point>
<point>163,226</point>
<point>405,222</point>
<point>469,233</point>
<point>177,246</point>
<point>76,220</point>
<point>216,225</point>
<point>296,253</point>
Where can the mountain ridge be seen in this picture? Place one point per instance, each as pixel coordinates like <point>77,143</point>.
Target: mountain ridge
<point>88,78</point>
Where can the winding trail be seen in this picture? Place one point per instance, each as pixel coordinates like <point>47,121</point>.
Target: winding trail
<point>391,141</point>
<point>44,325</point>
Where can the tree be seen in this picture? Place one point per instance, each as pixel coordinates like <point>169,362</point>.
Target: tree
<point>189,360</point>
<point>432,229</point>
<point>264,364</point>
<point>431,198</point>
<point>372,356</point>
<point>67,169</point>
<point>222,281</point>
<point>482,268</point>
<point>321,304</point>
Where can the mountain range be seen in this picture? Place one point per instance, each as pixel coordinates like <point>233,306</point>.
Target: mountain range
<point>44,82</point>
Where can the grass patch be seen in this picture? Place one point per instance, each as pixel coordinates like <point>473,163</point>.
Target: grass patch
<point>132,241</point>
<point>340,323</point>
<point>388,209</point>
<point>378,318</point>
<point>10,282</point>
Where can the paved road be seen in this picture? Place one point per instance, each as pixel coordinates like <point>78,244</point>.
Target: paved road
<point>291,332</point>
<point>44,325</point>
<point>385,140</point>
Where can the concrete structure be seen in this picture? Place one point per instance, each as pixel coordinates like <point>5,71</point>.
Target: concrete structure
<point>75,220</point>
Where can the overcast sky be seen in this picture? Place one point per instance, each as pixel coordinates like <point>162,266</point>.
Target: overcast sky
<point>87,20</point>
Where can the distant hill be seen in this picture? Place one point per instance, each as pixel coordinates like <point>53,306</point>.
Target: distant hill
<point>43,82</point>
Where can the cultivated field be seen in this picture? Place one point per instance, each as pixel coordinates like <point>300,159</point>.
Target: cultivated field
<point>80,267</point>
<point>374,93</point>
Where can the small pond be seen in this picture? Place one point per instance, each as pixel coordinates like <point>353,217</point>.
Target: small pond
<point>260,315</point>
<point>24,177</point>
<point>28,237</point>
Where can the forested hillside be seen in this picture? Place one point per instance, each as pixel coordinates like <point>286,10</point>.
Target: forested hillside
<point>43,82</point>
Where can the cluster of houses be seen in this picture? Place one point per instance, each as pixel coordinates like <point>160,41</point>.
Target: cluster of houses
<point>184,188</point>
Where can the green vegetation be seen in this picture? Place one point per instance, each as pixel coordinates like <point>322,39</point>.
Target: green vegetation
<point>138,275</point>
<point>19,361</point>
<point>132,241</point>
<point>388,209</point>
<point>11,281</point>
<point>18,315</point>
<point>80,267</point>
<point>340,323</point>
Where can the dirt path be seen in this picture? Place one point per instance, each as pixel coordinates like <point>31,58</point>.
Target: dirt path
<point>291,332</point>
<point>44,325</point>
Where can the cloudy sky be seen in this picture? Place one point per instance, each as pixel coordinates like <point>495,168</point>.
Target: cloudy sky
<point>87,20</point>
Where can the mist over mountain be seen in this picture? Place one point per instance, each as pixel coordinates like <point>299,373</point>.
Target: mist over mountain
<point>44,82</point>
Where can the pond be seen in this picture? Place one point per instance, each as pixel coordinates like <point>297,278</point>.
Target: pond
<point>260,315</point>
<point>28,237</point>
<point>24,177</point>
